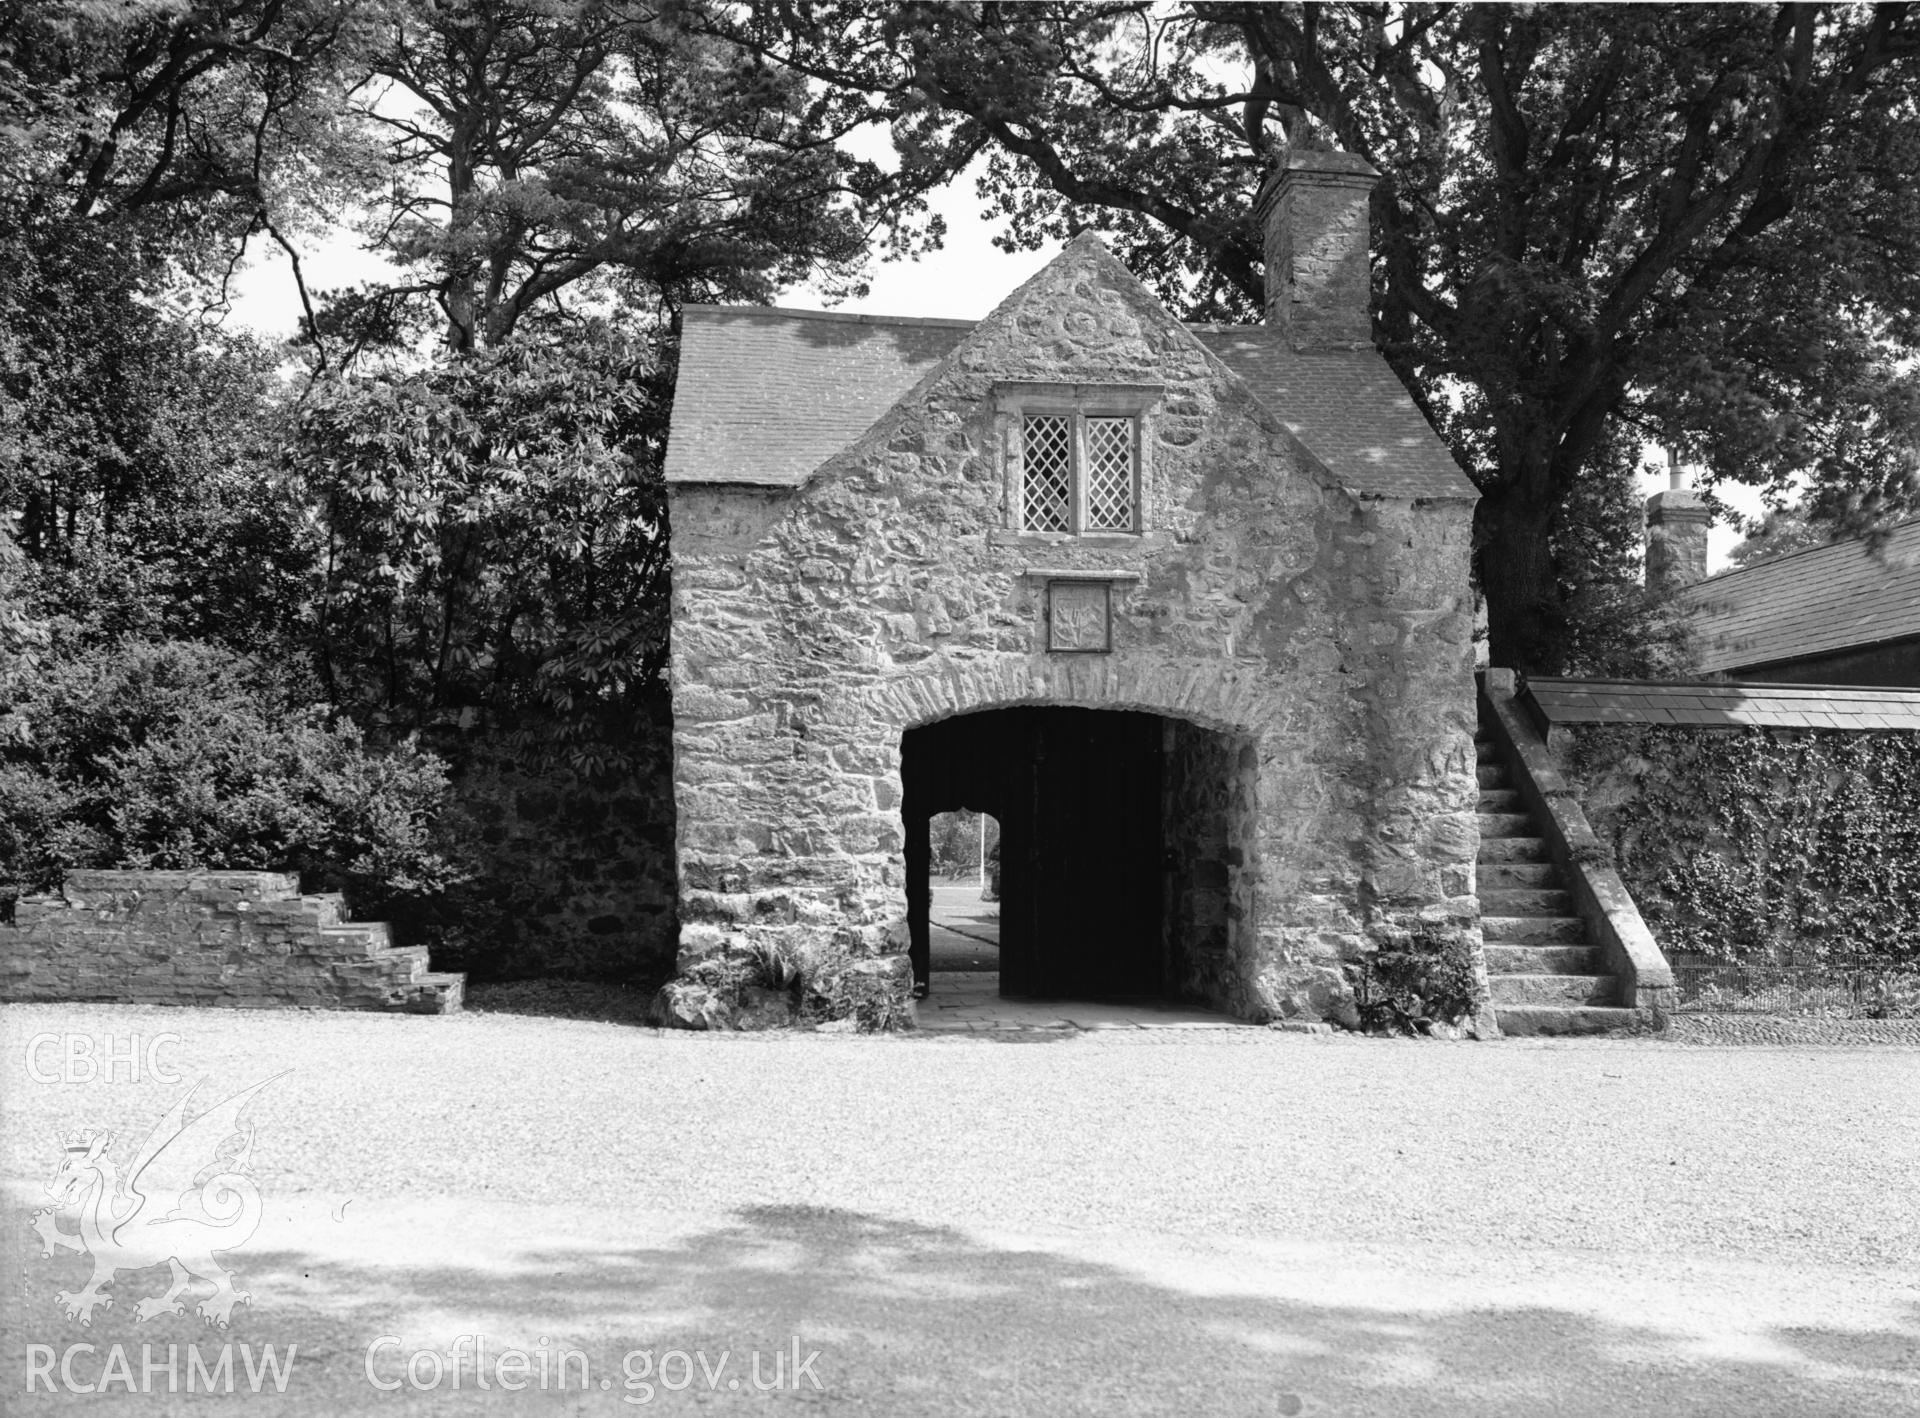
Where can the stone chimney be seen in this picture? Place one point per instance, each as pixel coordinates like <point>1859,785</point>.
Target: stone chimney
<point>1314,212</point>
<point>1677,522</point>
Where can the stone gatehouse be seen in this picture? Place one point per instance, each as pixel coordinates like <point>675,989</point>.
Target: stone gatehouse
<point>1185,607</point>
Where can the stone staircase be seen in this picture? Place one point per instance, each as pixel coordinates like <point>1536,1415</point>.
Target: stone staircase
<point>389,976</point>
<point>1546,974</point>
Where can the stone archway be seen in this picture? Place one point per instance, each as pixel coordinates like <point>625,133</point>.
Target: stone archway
<point>1128,846</point>
<point>1200,690</point>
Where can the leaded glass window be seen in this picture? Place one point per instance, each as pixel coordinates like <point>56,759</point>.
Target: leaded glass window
<point>1109,475</point>
<point>1079,473</point>
<point>1049,473</point>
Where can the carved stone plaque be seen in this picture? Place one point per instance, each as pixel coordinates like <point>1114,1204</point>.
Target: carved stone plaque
<point>1080,617</point>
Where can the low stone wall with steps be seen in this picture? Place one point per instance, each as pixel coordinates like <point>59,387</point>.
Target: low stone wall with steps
<point>248,940</point>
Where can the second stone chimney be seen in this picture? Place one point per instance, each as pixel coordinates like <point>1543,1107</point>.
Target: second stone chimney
<point>1677,523</point>
<point>1314,212</point>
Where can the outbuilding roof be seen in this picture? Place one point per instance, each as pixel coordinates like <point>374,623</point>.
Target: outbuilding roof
<point>1720,705</point>
<point>1806,603</point>
<point>766,395</point>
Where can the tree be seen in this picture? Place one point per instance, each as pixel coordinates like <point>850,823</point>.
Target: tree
<point>1782,530</point>
<point>1690,224</point>
<point>554,156</point>
<point>1603,620</point>
<point>559,176</point>
<point>496,542</point>
<point>139,451</point>
<point>189,123</point>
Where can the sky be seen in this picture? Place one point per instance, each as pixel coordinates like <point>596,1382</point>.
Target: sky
<point>964,280</point>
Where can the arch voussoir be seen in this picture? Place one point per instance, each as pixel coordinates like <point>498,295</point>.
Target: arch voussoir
<point>1196,692</point>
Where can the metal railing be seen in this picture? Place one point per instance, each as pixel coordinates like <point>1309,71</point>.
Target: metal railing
<point>1825,991</point>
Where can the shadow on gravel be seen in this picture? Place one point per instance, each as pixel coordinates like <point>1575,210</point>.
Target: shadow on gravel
<point>594,1001</point>
<point>919,1319</point>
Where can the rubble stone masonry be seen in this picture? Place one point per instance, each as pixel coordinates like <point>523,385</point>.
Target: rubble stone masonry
<point>1324,635</point>
<point>245,939</point>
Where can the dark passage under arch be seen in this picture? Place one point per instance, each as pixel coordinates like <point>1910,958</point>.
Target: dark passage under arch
<point>1115,856</point>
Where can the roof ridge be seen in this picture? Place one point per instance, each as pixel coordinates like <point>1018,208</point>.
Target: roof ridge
<point>1786,556</point>
<point>853,317</point>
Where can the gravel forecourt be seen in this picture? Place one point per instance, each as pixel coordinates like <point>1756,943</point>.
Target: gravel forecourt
<point>1208,1222</point>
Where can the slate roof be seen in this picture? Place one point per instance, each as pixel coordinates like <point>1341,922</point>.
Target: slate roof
<point>1807,603</point>
<point>766,395</point>
<point>1348,406</point>
<point>1720,705</point>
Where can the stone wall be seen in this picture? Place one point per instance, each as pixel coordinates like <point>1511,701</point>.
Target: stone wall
<point>1328,633</point>
<point>1212,830</point>
<point>578,874</point>
<point>242,939</point>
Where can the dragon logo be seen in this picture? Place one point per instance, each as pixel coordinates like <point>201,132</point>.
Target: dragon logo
<point>161,1210</point>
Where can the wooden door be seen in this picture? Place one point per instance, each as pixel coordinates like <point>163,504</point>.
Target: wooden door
<point>1077,795</point>
<point>1090,917</point>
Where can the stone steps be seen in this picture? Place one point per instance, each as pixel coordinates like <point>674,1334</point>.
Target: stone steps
<point>401,976</point>
<point>228,939</point>
<point>1525,901</point>
<point>414,955</point>
<point>1514,876</point>
<point>1534,930</point>
<point>1545,975</point>
<point>1529,850</point>
<point>1519,1021</point>
<point>329,907</point>
<point>1506,824</point>
<point>1544,960</point>
<point>375,934</point>
<point>1552,989</point>
<point>441,992</point>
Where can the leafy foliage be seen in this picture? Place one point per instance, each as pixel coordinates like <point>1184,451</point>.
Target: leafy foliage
<point>1596,224</point>
<point>954,839</point>
<point>1764,847</point>
<point>513,160</point>
<point>1604,621</point>
<point>184,754</point>
<point>541,161</point>
<point>139,451</point>
<point>496,542</point>
<point>198,122</point>
<point>1421,981</point>
<point>23,636</point>
<point>1782,530</point>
